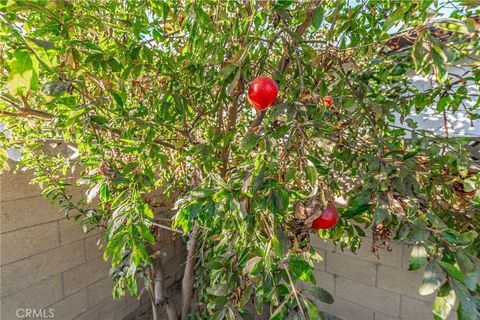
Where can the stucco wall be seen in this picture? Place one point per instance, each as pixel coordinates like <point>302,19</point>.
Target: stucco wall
<point>48,262</point>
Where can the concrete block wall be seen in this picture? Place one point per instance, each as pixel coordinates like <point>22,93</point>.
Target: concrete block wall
<point>366,288</point>
<point>48,262</point>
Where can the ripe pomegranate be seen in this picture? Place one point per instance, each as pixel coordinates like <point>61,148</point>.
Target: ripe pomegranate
<point>328,219</point>
<point>328,101</point>
<point>262,92</point>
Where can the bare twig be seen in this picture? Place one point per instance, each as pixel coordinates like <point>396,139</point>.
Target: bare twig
<point>294,290</point>
<point>166,227</point>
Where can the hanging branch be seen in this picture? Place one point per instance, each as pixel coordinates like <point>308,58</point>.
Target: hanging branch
<point>286,59</point>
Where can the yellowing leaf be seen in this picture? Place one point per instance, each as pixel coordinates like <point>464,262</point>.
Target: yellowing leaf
<point>41,54</point>
<point>23,72</point>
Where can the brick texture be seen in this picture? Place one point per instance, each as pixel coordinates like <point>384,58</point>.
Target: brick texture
<point>21,274</point>
<point>49,263</point>
<point>368,296</point>
<point>40,295</point>
<point>84,275</point>
<point>402,282</point>
<point>23,243</point>
<point>367,287</point>
<point>26,212</point>
<point>341,265</point>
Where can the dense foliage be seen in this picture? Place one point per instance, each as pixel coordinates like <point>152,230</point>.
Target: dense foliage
<point>151,96</point>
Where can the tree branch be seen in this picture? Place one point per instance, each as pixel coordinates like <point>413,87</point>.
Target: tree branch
<point>188,276</point>
<point>160,292</point>
<point>286,60</point>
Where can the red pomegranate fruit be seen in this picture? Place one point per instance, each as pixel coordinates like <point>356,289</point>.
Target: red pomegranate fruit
<point>328,101</point>
<point>328,219</point>
<point>262,92</point>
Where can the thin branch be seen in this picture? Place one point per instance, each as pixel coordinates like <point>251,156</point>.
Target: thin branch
<point>294,290</point>
<point>300,72</point>
<point>285,60</point>
<point>166,228</point>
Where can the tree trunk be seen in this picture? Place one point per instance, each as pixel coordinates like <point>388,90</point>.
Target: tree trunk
<point>158,293</point>
<point>188,275</point>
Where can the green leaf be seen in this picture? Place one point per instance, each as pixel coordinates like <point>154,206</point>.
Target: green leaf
<point>467,310</point>
<point>316,163</point>
<point>453,25</point>
<point>146,234</point>
<point>74,116</point>
<point>283,4</point>
<point>418,258</point>
<point>444,302</point>
<point>104,192</point>
<point>321,294</point>
<point>456,237</point>
<point>469,185</point>
<point>23,74</point>
<point>312,310</point>
<point>118,99</point>
<point>452,271</point>
<point>251,264</point>
<point>41,54</point>
<point>250,141</point>
<point>469,270</point>
<point>279,313</point>
<point>355,211</point>
<point>311,174</point>
<point>300,269</point>
<point>433,278</point>
<point>317,17</point>
<point>419,54</point>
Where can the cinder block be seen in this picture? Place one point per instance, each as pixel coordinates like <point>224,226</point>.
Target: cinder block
<point>373,298</point>
<point>71,306</point>
<point>351,268</point>
<point>99,291</point>
<point>23,243</point>
<point>382,316</point>
<point>392,258</point>
<point>325,280</point>
<point>17,186</point>
<point>107,309</point>
<point>180,247</point>
<point>84,275</point>
<point>21,213</point>
<point>347,310</point>
<point>132,308</point>
<point>70,231</point>
<point>413,309</point>
<point>403,282</point>
<point>21,274</point>
<point>129,300</point>
<point>319,243</point>
<point>173,267</point>
<point>92,249</point>
<point>38,296</point>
